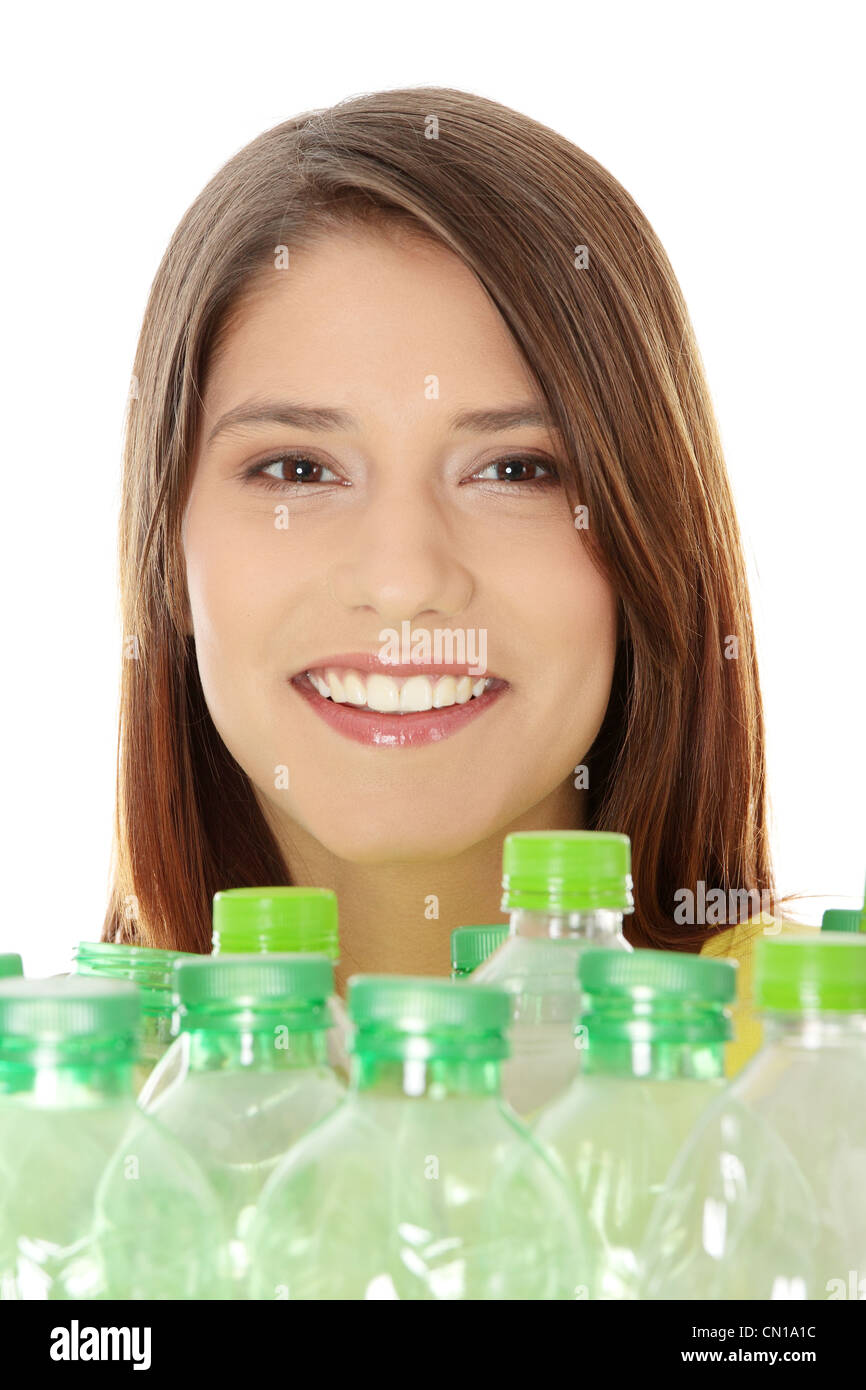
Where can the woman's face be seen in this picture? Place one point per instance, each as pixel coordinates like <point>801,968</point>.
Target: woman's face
<point>384,518</point>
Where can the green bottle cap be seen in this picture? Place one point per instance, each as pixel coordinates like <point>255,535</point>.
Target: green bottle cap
<point>841,919</point>
<point>276,919</point>
<point>10,965</point>
<point>824,971</point>
<point>656,996</point>
<point>68,1006</point>
<point>421,1017</point>
<point>567,871</point>
<point>146,966</point>
<point>472,945</point>
<point>224,991</point>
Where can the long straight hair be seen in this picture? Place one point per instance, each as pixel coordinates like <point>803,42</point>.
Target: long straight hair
<point>587,292</point>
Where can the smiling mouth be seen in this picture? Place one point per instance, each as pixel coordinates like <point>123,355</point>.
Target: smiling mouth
<point>397,711</point>
<point>387,694</point>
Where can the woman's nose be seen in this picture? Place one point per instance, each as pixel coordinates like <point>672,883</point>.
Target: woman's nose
<point>400,561</point>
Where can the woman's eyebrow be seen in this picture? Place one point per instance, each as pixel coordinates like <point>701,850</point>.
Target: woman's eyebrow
<point>320,418</point>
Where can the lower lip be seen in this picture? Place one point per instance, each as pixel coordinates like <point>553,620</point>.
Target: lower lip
<point>411,730</point>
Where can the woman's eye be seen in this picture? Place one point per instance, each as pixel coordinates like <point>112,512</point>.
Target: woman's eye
<point>295,468</point>
<point>300,469</point>
<point>521,469</point>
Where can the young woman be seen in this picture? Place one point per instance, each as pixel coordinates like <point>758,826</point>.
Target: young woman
<point>414,365</point>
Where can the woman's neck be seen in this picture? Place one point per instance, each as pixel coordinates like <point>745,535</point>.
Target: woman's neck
<point>397,917</point>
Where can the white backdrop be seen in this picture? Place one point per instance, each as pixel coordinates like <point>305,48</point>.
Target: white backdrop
<point>738,129</point>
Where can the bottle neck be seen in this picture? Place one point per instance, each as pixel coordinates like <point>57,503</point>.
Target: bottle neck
<point>267,1047</point>
<point>811,1030</point>
<point>64,1076</point>
<point>655,1061</point>
<point>156,1032</point>
<point>430,1078</point>
<point>602,926</point>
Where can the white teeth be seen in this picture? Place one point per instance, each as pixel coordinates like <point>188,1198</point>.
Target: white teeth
<point>335,686</point>
<point>444,692</point>
<point>464,689</point>
<point>383,694</point>
<point>354,688</point>
<point>416,694</point>
<point>395,694</point>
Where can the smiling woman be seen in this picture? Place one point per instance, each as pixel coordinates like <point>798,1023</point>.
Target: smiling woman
<point>393,350</point>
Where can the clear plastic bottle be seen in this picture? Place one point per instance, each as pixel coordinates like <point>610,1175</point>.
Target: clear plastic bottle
<point>472,945</point>
<point>422,1184</point>
<point>653,1029</point>
<point>247,1075</point>
<point>10,965</point>
<point>284,919</point>
<point>566,891</point>
<point>151,970</point>
<point>98,1202</point>
<point>767,1198</point>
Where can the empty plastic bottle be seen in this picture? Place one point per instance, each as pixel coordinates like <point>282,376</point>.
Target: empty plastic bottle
<point>283,919</point>
<point>767,1199</point>
<point>98,1202</point>
<point>653,1029</point>
<point>472,945</point>
<point>566,891</point>
<point>10,964</point>
<point>841,919</point>
<point>248,1073</point>
<point>151,970</point>
<point>422,1184</point>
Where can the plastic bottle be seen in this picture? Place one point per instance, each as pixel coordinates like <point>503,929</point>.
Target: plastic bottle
<point>767,1199</point>
<point>151,970</point>
<point>841,919</point>
<point>653,1030</point>
<point>422,1184</point>
<point>566,891</point>
<point>472,945</point>
<point>10,965</point>
<point>98,1202</point>
<point>248,1073</point>
<point>283,919</point>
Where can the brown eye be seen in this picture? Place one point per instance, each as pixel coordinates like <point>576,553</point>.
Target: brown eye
<point>295,468</point>
<point>301,470</point>
<point>520,469</point>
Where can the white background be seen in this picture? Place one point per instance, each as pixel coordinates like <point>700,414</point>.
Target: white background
<point>738,129</point>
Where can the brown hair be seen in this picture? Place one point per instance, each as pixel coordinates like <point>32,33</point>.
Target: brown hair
<point>679,763</point>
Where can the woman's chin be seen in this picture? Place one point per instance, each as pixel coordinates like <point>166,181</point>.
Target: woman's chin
<point>417,835</point>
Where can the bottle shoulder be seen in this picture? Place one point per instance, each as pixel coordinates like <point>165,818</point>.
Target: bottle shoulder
<point>737,943</point>
<point>520,958</point>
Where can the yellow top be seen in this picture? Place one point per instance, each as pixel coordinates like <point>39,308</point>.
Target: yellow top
<point>736,943</point>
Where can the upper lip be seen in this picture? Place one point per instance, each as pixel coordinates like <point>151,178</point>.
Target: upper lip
<point>371,661</point>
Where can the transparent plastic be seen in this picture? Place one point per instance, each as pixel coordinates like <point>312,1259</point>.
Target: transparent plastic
<point>617,1131</point>
<point>98,1202</point>
<point>239,1102</point>
<point>339,1037</point>
<point>422,1185</point>
<point>537,965</point>
<point>767,1199</point>
<point>156,1038</point>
